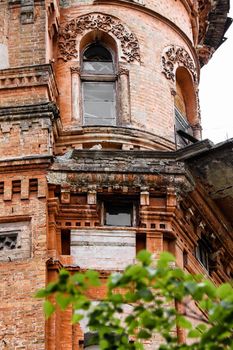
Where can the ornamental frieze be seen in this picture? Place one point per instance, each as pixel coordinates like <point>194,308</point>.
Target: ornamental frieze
<point>104,23</point>
<point>176,56</point>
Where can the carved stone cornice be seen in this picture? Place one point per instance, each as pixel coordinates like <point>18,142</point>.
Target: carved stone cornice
<point>21,77</point>
<point>205,53</point>
<point>101,22</point>
<point>204,7</point>
<point>176,56</point>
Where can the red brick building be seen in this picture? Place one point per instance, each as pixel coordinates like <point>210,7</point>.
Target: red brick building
<point>101,152</point>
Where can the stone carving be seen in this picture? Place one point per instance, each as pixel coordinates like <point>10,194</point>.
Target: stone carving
<point>97,21</point>
<point>205,53</point>
<point>123,71</point>
<point>177,56</point>
<point>75,70</point>
<point>204,7</point>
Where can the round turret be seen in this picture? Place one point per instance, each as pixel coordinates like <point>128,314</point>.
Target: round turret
<point>128,74</point>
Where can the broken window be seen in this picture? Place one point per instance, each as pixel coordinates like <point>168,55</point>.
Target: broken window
<point>98,86</point>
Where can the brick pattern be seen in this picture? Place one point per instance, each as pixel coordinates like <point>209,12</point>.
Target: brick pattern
<point>42,205</point>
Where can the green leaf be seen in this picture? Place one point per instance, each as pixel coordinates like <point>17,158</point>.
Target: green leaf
<point>183,322</point>
<point>202,327</point>
<point>76,318</point>
<point>164,259</point>
<point>194,333</point>
<point>143,334</point>
<point>63,301</point>
<point>116,298</point>
<point>48,308</point>
<point>63,275</point>
<point>224,290</point>
<point>42,293</point>
<point>144,256</point>
<point>93,277</point>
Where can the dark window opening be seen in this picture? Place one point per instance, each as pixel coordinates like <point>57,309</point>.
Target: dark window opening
<point>119,212</point>
<point>33,185</point>
<point>185,258</point>
<point>183,130</point>
<point>1,187</point>
<point>97,60</point>
<point>140,242</point>
<point>202,253</point>
<point>65,242</point>
<point>16,186</point>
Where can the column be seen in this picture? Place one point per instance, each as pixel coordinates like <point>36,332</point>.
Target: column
<point>124,95</point>
<point>76,94</point>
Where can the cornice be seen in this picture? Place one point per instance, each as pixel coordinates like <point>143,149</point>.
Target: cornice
<point>28,76</point>
<point>41,110</point>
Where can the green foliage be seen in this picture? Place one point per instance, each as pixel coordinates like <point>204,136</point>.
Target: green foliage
<point>161,297</point>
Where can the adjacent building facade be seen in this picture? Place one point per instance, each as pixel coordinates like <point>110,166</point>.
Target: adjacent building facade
<point>101,152</point>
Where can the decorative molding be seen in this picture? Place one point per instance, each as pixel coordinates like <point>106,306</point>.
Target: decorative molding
<point>27,11</point>
<point>22,77</point>
<point>102,22</point>
<point>75,70</point>
<point>204,8</point>
<point>175,56</point>
<point>123,71</point>
<point>205,53</point>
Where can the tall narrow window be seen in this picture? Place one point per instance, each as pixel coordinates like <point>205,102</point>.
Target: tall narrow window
<point>185,108</point>
<point>98,86</point>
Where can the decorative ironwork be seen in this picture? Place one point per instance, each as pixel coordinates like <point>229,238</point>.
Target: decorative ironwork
<point>8,241</point>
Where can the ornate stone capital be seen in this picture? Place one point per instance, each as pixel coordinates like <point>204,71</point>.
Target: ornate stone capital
<point>123,71</point>
<point>176,56</point>
<point>104,23</point>
<point>75,70</point>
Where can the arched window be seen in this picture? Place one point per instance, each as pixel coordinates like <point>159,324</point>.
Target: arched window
<point>98,86</point>
<point>185,108</point>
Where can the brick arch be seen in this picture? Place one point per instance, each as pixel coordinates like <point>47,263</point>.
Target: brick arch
<point>174,57</point>
<point>184,81</point>
<point>100,22</point>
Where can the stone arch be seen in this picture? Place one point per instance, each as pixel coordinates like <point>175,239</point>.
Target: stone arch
<point>101,37</point>
<point>185,88</point>
<point>174,57</point>
<point>129,46</point>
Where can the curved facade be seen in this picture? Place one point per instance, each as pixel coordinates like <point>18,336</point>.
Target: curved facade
<point>145,75</point>
<point>101,153</point>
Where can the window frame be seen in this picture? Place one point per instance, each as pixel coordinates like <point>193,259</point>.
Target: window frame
<point>101,78</point>
<point>121,201</point>
<point>200,250</point>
